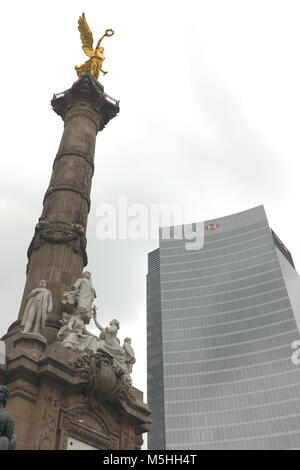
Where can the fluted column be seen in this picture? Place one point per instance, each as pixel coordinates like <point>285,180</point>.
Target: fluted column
<point>57,252</point>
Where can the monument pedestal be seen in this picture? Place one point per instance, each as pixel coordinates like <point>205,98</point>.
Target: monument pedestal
<point>53,402</point>
<point>32,342</point>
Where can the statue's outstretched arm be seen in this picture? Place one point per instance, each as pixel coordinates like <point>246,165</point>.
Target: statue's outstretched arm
<point>96,322</point>
<point>98,325</point>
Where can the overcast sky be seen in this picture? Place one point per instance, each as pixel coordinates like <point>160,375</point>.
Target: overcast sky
<point>210,115</point>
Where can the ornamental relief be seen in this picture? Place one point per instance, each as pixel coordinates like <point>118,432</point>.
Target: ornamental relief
<point>86,419</point>
<point>22,387</point>
<point>74,237</point>
<point>86,427</point>
<point>50,420</point>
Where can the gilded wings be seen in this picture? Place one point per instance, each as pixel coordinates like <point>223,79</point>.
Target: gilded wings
<point>86,36</point>
<point>96,55</point>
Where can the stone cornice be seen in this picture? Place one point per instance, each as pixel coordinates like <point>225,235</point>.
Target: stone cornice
<point>93,103</point>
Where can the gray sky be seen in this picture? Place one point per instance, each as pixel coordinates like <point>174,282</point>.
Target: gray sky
<point>209,95</point>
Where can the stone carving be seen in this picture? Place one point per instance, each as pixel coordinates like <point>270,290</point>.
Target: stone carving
<point>88,365</point>
<point>50,420</point>
<point>100,109</point>
<point>82,295</point>
<point>106,379</point>
<point>82,362</point>
<point>38,305</point>
<point>128,437</point>
<point>84,417</point>
<point>109,340</point>
<point>139,441</point>
<point>24,389</point>
<point>8,439</point>
<point>60,233</point>
<point>85,426</point>
<point>74,335</point>
<point>129,354</point>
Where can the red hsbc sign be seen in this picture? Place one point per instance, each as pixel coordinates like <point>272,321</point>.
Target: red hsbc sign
<point>211,227</point>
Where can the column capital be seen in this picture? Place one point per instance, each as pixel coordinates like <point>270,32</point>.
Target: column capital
<point>86,91</point>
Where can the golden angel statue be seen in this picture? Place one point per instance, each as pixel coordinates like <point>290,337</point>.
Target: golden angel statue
<point>94,64</point>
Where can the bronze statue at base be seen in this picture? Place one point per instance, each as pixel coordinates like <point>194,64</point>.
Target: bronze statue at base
<point>7,425</point>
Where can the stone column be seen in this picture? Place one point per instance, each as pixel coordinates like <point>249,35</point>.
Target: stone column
<point>57,252</point>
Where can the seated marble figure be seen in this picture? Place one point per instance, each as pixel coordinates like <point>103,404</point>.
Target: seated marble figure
<point>74,335</point>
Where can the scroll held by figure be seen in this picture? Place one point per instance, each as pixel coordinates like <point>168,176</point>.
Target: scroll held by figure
<point>7,424</point>
<point>38,305</point>
<point>96,55</point>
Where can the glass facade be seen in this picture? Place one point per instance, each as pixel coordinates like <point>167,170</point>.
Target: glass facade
<point>221,322</point>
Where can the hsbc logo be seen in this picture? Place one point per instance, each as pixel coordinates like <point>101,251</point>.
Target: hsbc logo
<point>211,227</point>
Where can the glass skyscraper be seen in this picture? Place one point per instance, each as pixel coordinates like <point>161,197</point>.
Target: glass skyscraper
<point>221,323</point>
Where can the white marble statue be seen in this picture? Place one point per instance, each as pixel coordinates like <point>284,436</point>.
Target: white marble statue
<point>129,354</point>
<point>38,305</point>
<point>109,341</point>
<point>74,335</point>
<point>82,294</point>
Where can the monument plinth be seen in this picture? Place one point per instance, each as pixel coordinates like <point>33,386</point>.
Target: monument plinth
<point>70,385</point>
